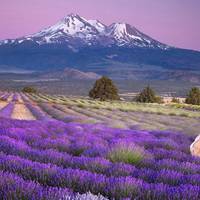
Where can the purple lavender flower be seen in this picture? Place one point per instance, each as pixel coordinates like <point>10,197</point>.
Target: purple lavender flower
<point>51,159</point>
<point>7,110</point>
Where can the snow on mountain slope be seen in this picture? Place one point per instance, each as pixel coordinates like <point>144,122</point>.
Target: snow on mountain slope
<point>98,25</point>
<point>124,34</point>
<point>76,31</point>
<point>120,30</point>
<point>72,25</point>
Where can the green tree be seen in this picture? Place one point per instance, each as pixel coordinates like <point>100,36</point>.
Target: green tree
<point>104,89</point>
<point>29,90</point>
<point>147,95</point>
<point>193,96</point>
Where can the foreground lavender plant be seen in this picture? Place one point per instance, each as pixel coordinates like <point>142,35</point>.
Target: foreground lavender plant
<point>13,187</point>
<point>53,157</point>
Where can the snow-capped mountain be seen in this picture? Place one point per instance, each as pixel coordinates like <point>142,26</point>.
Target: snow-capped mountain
<point>119,50</point>
<point>76,31</point>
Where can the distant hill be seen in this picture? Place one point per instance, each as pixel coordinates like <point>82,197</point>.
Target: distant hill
<point>69,74</point>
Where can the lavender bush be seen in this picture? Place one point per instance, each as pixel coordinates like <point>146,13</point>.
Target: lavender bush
<point>50,159</point>
<point>126,153</point>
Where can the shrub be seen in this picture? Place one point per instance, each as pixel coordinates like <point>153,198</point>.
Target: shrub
<point>104,89</point>
<point>184,115</point>
<point>159,99</point>
<point>147,95</point>
<point>193,96</point>
<point>172,114</point>
<point>175,100</point>
<point>29,90</point>
<point>80,105</point>
<point>126,153</point>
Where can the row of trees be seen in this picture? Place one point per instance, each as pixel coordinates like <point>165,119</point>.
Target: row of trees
<point>105,89</point>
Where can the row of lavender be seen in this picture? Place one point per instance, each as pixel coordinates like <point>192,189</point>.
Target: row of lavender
<point>40,112</point>
<point>12,98</point>
<point>56,159</point>
<point>13,185</point>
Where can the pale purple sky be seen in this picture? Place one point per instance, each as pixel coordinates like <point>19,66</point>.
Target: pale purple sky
<point>175,22</point>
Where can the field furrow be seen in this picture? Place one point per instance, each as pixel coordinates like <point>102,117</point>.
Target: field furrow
<point>21,112</point>
<point>3,104</point>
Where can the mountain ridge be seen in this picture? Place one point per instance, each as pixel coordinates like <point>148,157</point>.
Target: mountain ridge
<point>118,50</point>
<point>74,29</point>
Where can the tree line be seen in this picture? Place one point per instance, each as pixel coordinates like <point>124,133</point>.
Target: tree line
<point>104,89</point>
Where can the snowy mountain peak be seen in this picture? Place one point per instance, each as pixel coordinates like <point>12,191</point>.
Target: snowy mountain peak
<point>76,31</point>
<point>125,34</point>
<point>118,30</point>
<point>71,25</point>
<point>72,18</point>
<point>72,15</point>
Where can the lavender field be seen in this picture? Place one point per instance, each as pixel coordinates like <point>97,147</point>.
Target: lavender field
<point>68,148</point>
